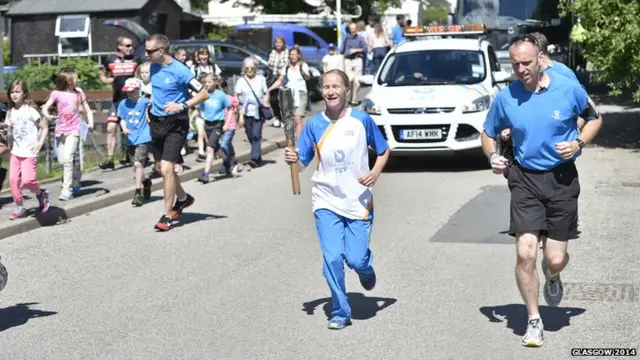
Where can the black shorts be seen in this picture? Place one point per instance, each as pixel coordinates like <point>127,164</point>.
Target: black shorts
<point>545,201</point>
<point>213,129</point>
<point>168,136</point>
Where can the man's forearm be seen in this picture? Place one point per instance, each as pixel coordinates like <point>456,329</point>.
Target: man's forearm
<point>590,130</point>
<point>488,144</point>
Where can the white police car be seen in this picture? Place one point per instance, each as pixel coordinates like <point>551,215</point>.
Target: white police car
<point>432,92</point>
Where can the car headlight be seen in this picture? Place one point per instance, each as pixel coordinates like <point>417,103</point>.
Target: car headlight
<point>370,108</point>
<point>479,104</point>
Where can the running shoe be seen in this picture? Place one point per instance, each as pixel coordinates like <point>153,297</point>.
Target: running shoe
<point>179,206</point>
<point>338,324</point>
<point>164,224</point>
<point>43,200</point>
<point>17,213</point>
<point>553,289</point>
<point>369,282</point>
<point>534,337</point>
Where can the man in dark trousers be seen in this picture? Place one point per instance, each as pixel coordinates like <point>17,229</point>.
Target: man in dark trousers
<point>171,81</point>
<point>541,109</point>
<point>115,71</point>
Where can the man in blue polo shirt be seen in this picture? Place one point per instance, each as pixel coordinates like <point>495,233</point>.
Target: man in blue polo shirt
<point>541,109</point>
<point>171,81</point>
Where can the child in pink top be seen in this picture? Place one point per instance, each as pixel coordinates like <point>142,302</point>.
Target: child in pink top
<point>229,130</point>
<point>68,102</point>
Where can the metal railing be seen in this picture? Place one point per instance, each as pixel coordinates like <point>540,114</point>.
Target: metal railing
<point>54,59</point>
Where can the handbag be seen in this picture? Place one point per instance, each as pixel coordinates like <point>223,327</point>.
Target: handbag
<point>265,113</point>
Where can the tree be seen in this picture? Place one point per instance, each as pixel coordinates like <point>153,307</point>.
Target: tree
<point>199,5</point>
<point>436,13</point>
<point>299,6</point>
<point>612,41</point>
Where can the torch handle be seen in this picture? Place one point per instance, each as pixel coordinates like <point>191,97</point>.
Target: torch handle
<point>295,175</point>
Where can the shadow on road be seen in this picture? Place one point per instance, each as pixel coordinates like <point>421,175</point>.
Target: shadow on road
<point>54,216</point>
<point>460,163</point>
<point>362,307</point>
<point>189,218</point>
<point>553,318</point>
<point>19,314</point>
<point>619,130</point>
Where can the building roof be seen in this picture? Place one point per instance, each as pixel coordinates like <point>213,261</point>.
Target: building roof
<point>33,7</point>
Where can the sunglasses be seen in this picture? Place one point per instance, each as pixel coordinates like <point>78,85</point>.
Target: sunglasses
<point>126,45</point>
<point>151,51</point>
<point>525,38</point>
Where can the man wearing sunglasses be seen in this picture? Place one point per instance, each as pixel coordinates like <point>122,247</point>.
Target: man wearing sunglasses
<point>171,82</point>
<point>541,109</point>
<point>115,71</point>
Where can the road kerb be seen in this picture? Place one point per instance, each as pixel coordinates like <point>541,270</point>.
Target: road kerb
<point>58,216</point>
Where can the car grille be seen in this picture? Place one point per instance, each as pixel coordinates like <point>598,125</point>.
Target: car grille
<point>395,129</point>
<point>426,110</point>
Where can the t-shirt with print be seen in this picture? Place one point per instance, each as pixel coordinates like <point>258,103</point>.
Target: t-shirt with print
<point>68,105</point>
<point>171,83</point>
<point>24,123</point>
<point>232,123</point>
<point>198,69</point>
<point>342,148</point>
<point>213,108</point>
<point>540,120</point>
<point>248,100</point>
<point>134,116</point>
<point>121,68</point>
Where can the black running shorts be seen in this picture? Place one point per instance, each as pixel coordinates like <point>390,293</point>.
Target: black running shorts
<point>168,136</point>
<point>213,129</point>
<point>545,201</point>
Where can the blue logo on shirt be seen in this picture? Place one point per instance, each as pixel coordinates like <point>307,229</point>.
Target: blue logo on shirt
<point>341,166</point>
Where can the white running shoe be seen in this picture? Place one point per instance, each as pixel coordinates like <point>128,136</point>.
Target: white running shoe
<point>534,337</point>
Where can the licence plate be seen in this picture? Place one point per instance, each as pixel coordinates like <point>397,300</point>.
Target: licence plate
<point>421,134</point>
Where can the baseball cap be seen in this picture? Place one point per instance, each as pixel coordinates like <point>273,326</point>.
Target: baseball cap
<point>332,46</point>
<point>132,84</point>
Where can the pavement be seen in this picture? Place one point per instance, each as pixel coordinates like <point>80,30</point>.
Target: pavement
<point>105,188</point>
<point>240,277</point>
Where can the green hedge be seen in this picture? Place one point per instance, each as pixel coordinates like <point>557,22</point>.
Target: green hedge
<point>39,77</point>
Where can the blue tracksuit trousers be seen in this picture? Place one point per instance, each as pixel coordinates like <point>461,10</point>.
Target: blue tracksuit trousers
<point>343,240</point>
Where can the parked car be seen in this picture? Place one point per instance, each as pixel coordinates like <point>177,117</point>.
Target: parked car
<point>312,46</point>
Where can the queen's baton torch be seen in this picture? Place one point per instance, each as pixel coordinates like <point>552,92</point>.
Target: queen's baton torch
<point>287,116</point>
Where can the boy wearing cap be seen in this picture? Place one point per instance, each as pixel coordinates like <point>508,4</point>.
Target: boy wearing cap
<point>333,60</point>
<point>132,113</point>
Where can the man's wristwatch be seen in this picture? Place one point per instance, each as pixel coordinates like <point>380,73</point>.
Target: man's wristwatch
<point>580,143</point>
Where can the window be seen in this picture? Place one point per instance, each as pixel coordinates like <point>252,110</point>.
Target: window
<point>74,34</point>
<point>433,67</point>
<point>302,39</point>
<point>493,59</point>
<point>226,53</point>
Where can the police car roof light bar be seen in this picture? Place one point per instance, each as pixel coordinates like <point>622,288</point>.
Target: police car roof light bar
<point>445,30</point>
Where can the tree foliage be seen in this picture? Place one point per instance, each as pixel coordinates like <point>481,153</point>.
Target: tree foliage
<point>436,14</point>
<point>612,41</point>
<point>299,6</point>
<point>39,77</point>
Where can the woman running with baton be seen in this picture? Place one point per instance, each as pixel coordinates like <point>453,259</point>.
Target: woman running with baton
<point>341,194</point>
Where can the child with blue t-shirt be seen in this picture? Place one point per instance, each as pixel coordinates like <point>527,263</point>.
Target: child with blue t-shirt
<point>213,113</point>
<point>132,113</point>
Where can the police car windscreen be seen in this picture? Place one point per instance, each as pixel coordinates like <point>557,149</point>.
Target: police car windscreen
<point>433,67</point>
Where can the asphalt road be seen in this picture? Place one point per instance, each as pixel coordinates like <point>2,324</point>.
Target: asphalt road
<point>241,278</point>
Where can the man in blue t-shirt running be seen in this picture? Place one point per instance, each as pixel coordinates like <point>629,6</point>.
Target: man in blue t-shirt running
<point>541,109</point>
<point>171,82</point>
